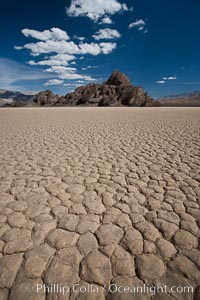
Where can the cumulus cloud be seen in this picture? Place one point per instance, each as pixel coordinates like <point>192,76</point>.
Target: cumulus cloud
<point>62,47</point>
<point>54,60</point>
<point>80,81</point>
<point>71,85</point>
<point>53,82</point>
<point>60,69</point>
<point>170,78</point>
<point>90,67</point>
<point>160,81</point>
<point>107,33</point>
<point>80,38</point>
<point>18,47</point>
<point>164,79</point>
<point>50,46</point>
<point>95,9</point>
<point>68,73</point>
<point>72,76</point>
<point>107,47</point>
<point>60,51</point>
<point>55,34</point>
<point>138,23</point>
<point>86,48</point>
<point>106,20</point>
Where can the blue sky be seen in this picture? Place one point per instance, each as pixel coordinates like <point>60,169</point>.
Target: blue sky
<point>62,44</point>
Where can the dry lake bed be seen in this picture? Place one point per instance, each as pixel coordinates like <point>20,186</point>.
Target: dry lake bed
<point>99,203</point>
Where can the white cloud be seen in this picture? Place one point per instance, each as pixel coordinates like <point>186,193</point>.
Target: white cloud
<point>60,51</point>
<point>106,33</point>
<point>172,78</point>
<point>96,49</point>
<point>141,28</point>
<point>72,76</point>
<point>166,79</point>
<point>68,73</point>
<point>55,60</point>
<point>86,48</point>
<point>108,47</point>
<point>125,7</point>
<point>139,23</point>
<point>50,46</point>
<point>64,47</point>
<point>90,67</point>
<point>95,9</point>
<point>63,57</point>
<point>55,34</point>
<point>18,47</point>
<point>60,69</point>
<point>53,82</point>
<point>55,41</point>
<point>71,85</point>
<point>106,20</point>
<point>80,38</point>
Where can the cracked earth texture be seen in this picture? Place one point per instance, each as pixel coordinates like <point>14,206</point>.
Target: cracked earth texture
<point>99,196</point>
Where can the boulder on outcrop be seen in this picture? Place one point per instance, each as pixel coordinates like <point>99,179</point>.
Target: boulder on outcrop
<point>117,78</point>
<point>46,98</point>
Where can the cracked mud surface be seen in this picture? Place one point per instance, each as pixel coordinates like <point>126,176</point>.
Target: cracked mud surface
<point>99,196</point>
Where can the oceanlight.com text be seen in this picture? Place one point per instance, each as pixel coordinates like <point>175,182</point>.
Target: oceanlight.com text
<point>112,289</point>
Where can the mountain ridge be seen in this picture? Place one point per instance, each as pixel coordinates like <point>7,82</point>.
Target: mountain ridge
<point>185,99</point>
<point>7,96</point>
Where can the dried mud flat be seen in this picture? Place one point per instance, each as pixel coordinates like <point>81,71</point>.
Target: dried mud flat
<point>99,196</point>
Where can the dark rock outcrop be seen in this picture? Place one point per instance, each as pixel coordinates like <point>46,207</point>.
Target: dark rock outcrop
<point>46,98</point>
<point>116,91</point>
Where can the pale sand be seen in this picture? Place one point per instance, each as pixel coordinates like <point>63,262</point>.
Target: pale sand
<point>99,195</point>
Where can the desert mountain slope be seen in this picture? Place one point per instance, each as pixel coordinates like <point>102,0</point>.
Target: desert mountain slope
<point>186,99</point>
<point>14,98</point>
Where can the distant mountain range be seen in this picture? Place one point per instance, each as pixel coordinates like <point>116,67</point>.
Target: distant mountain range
<point>7,96</point>
<point>185,99</point>
<point>116,91</point>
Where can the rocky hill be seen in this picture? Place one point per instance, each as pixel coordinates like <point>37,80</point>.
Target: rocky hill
<point>116,91</point>
<point>186,99</point>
